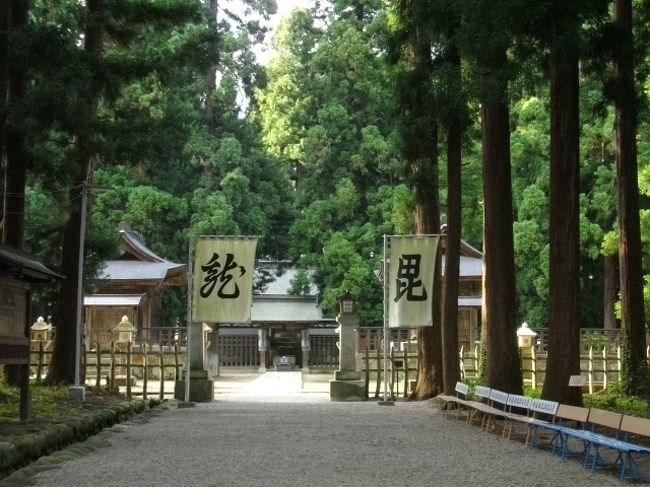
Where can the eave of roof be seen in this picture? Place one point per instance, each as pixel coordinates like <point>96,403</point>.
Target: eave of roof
<point>134,245</point>
<point>113,299</point>
<point>134,270</point>
<point>25,266</point>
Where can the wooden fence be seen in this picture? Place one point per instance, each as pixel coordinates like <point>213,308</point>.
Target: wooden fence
<point>121,365</point>
<point>238,351</point>
<point>324,353</point>
<point>601,366</point>
<point>402,371</point>
<point>594,338</point>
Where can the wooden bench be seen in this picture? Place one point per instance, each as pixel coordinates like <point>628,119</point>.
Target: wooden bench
<point>491,404</point>
<point>516,403</point>
<point>482,394</point>
<point>496,409</point>
<point>456,402</point>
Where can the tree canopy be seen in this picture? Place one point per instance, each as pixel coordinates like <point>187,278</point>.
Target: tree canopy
<point>162,106</point>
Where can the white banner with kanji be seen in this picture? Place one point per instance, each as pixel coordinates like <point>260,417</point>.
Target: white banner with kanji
<point>410,280</point>
<point>222,279</point>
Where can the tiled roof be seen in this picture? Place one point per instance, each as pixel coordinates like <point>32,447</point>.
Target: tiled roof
<point>136,270</point>
<point>283,309</point>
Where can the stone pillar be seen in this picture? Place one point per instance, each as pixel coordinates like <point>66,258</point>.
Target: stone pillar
<point>201,387</point>
<point>262,345</point>
<point>347,384</point>
<point>347,339</point>
<point>212,351</point>
<point>306,347</point>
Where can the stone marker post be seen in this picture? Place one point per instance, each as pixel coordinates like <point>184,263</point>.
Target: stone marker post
<point>306,347</point>
<point>262,345</point>
<point>348,384</point>
<point>201,387</point>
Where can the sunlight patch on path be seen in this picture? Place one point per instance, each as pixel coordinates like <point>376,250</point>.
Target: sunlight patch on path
<point>275,384</point>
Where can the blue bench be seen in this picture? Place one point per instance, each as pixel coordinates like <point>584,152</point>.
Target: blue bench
<point>589,422</point>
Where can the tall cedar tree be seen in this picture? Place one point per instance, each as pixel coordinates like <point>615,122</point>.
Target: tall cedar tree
<point>419,146</point>
<point>564,224</point>
<point>610,291</point>
<point>454,126</point>
<point>62,368</point>
<point>629,243</point>
<point>17,158</point>
<point>487,32</point>
<point>212,78</point>
<point>5,12</point>
<point>16,155</point>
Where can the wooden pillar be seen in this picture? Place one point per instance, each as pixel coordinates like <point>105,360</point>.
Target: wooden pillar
<point>25,393</point>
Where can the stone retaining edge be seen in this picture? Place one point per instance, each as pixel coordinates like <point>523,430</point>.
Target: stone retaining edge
<point>21,451</point>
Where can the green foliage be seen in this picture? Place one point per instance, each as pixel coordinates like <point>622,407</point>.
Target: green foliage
<point>48,402</point>
<point>300,284</point>
<point>613,399</point>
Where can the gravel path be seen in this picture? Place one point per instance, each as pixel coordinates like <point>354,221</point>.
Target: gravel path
<point>304,440</point>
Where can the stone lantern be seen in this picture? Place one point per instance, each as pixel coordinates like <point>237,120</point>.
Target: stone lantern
<point>124,331</point>
<point>526,343</point>
<point>347,304</point>
<point>525,336</point>
<point>348,384</point>
<point>41,332</point>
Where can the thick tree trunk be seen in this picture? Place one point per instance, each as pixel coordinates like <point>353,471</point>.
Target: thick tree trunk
<point>564,227</point>
<point>629,243</point>
<point>62,368</point>
<point>5,13</point>
<point>610,291</point>
<point>427,221</point>
<point>499,296</point>
<point>15,152</point>
<point>450,358</point>
<point>17,158</point>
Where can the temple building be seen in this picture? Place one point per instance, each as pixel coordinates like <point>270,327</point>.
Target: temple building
<point>130,286</point>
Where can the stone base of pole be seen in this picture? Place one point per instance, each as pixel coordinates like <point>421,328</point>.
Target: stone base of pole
<point>77,393</point>
<point>388,402</point>
<point>347,386</point>
<point>201,388</point>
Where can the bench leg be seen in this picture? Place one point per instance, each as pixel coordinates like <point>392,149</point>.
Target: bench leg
<point>532,434</point>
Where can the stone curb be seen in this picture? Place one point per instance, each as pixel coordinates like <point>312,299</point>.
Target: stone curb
<point>21,451</point>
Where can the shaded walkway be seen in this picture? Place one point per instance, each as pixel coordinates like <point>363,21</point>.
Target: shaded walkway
<point>305,440</point>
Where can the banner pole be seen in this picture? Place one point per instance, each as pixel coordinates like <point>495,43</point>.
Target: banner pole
<point>385,319</point>
<point>190,266</point>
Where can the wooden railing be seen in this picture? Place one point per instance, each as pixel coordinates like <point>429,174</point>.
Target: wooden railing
<point>122,364</point>
<point>594,338</point>
<point>402,371</point>
<point>163,335</point>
